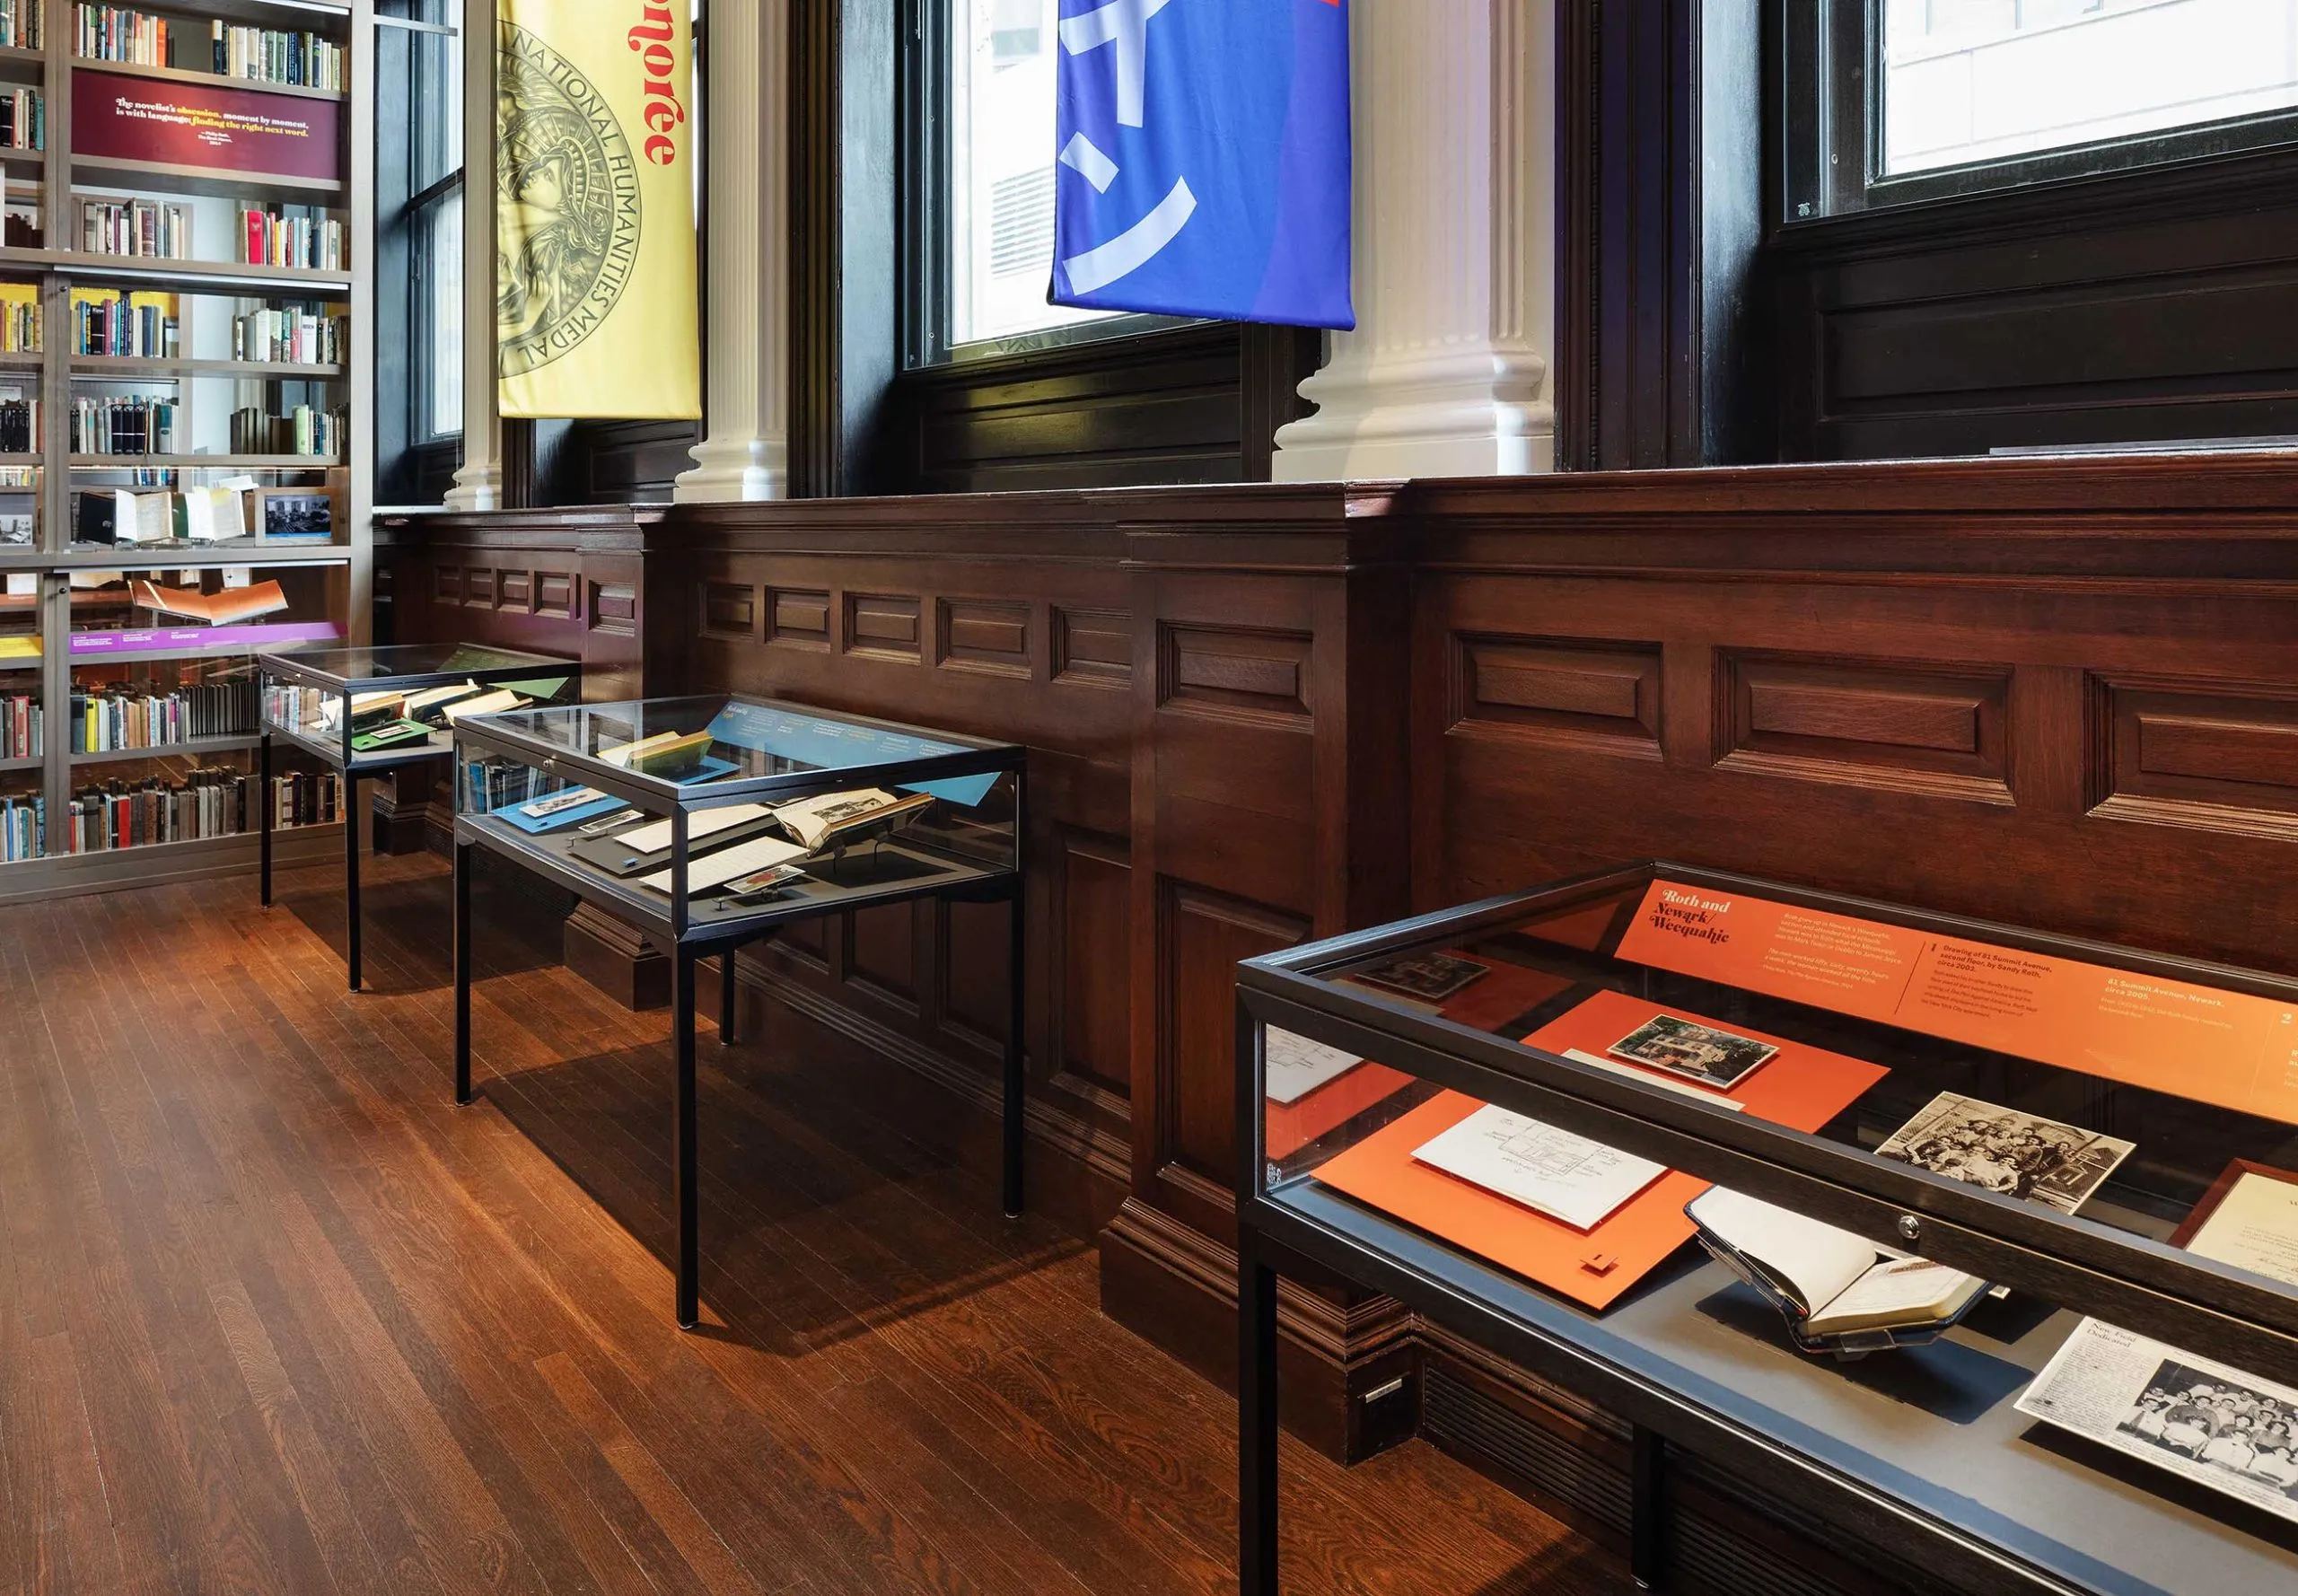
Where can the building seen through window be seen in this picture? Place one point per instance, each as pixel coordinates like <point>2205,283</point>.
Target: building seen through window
<point>1002,63</point>
<point>1967,81</point>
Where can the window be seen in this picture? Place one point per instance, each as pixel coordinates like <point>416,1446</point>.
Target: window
<point>434,222</point>
<point>418,248</point>
<point>982,97</point>
<point>1001,169</point>
<point>1896,101</point>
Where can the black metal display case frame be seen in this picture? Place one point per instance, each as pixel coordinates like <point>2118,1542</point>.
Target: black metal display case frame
<point>308,669</point>
<point>674,925</point>
<point>1891,1481</point>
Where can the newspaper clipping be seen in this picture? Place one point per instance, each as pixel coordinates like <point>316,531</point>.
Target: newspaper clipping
<point>2222,1428</point>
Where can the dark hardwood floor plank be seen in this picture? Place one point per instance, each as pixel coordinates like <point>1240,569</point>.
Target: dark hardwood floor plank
<point>326,1332</point>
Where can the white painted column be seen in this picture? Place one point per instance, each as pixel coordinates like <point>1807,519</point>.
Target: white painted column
<point>746,452</point>
<point>1448,373</point>
<point>478,481</point>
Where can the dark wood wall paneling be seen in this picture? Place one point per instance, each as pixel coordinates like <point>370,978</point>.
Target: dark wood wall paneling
<point>1662,341</point>
<point>2152,305</point>
<point>1207,681</point>
<point>1694,328</point>
<point>2065,693</point>
<point>1193,403</point>
<point>560,582</point>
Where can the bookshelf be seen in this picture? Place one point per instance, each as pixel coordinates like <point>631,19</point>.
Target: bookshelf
<point>180,358</point>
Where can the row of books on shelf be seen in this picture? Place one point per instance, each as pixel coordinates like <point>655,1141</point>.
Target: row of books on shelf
<point>142,325</point>
<point>292,235</point>
<point>23,25</point>
<point>20,319</point>
<point>148,714</point>
<point>20,430</point>
<point>290,337</point>
<point>216,802</point>
<point>23,830</point>
<point>261,55</point>
<point>275,56</point>
<point>21,719</point>
<point>134,426</point>
<point>137,325</point>
<point>124,426</point>
<point>115,33</point>
<point>136,227</point>
<point>304,430</point>
<point>23,119</point>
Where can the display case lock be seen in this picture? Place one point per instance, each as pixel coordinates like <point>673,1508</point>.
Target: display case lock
<point>1910,1229</point>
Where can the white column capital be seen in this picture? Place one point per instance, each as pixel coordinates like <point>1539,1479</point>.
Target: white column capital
<point>1448,371</point>
<point>745,452</point>
<point>478,480</point>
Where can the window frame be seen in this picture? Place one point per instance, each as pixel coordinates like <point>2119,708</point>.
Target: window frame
<point>923,130</point>
<point>414,460</point>
<point>1829,92</point>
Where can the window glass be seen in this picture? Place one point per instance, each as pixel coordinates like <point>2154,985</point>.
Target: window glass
<point>1002,63</point>
<point>1987,79</point>
<point>439,235</point>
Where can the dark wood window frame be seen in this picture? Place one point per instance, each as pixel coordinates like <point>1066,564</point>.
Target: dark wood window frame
<point>1699,325</point>
<point>874,407</point>
<point>1831,110</point>
<point>415,461</point>
<point>923,73</point>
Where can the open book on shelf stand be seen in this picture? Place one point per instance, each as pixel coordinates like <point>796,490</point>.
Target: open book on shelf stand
<point>1838,1293</point>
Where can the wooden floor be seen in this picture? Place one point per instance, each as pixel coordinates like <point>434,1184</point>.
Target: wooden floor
<point>276,1316</point>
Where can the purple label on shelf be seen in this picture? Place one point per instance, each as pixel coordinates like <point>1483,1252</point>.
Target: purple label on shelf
<point>203,638</point>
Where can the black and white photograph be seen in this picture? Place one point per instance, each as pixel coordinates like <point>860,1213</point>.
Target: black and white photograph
<point>1702,1053</point>
<point>1432,978</point>
<point>298,515</point>
<point>2220,1424</point>
<point>2003,1150</point>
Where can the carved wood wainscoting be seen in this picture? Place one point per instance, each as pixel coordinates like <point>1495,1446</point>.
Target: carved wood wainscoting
<point>2060,694</point>
<point>1210,682</point>
<point>565,581</point>
<point>2063,694</point>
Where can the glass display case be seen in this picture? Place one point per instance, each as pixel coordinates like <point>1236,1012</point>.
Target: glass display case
<point>1981,1243</point>
<point>708,823</point>
<point>363,712</point>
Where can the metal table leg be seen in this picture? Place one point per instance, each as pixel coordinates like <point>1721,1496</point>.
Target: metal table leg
<point>263,821</point>
<point>1014,1114</point>
<point>351,875</point>
<point>462,971</point>
<point>683,1130</point>
<point>1256,1419</point>
<point>727,998</point>
<point>1647,1525</point>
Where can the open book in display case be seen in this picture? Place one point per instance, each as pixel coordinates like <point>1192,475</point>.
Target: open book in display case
<point>359,712</point>
<point>714,821</point>
<point>1980,1243</point>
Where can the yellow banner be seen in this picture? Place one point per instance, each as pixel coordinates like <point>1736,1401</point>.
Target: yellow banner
<point>594,163</point>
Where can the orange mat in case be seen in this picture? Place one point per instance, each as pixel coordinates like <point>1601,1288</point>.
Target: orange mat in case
<point>2211,1044</point>
<point>1489,1000</point>
<point>1800,1087</point>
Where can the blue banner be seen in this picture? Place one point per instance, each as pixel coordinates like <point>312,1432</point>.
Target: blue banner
<point>1203,150</point>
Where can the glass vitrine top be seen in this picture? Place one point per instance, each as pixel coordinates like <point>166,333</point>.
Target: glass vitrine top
<point>1968,1076</point>
<point>2056,1181</point>
<point>364,666</point>
<point>681,745</point>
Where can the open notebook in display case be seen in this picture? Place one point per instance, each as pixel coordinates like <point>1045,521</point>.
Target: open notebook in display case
<point>711,821</point>
<point>371,711</point>
<point>1500,1116</point>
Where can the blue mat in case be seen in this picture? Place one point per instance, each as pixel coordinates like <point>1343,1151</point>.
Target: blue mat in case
<point>514,814</point>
